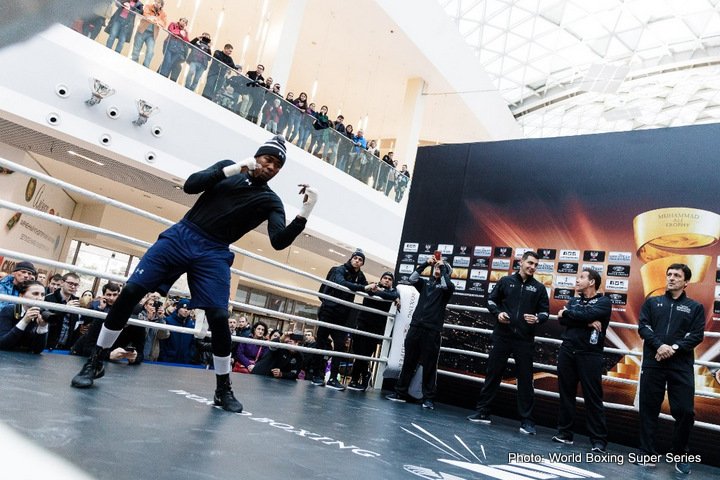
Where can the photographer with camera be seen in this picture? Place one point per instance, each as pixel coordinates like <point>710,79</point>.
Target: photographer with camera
<point>130,342</point>
<point>153,311</point>
<point>23,328</point>
<point>63,326</point>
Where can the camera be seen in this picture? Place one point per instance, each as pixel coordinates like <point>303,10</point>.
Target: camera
<point>157,304</point>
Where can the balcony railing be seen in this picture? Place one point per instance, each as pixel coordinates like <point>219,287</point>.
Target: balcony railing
<point>182,62</point>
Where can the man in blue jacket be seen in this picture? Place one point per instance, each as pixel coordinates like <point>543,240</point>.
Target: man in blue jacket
<point>671,325</point>
<point>179,347</point>
<point>520,303</point>
<point>235,199</point>
<point>580,360</point>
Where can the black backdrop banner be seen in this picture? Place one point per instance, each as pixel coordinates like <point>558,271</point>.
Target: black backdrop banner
<point>626,204</point>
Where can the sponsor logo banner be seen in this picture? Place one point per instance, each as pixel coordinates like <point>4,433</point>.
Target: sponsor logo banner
<point>520,251</point>
<point>619,257</point>
<point>476,274</point>
<point>598,267</point>
<point>717,276</point>
<point>477,287</point>
<point>423,257</point>
<point>572,255</point>
<point>446,249</point>
<point>565,281</point>
<point>407,268</point>
<point>616,284</point>
<point>500,264</point>
<point>516,264</point>
<point>567,267</point>
<point>408,258</point>
<point>717,292</point>
<point>617,298</point>
<point>491,286</point>
<point>480,263</point>
<point>563,294</point>
<point>411,247</point>
<point>461,262</point>
<point>459,284</point>
<point>594,256</point>
<point>487,251</point>
<point>618,271</point>
<point>545,267</point>
<point>716,307</point>
<point>547,253</point>
<point>503,252</point>
<point>495,276</point>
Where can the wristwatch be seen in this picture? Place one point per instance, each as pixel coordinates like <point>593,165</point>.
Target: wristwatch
<point>675,346</point>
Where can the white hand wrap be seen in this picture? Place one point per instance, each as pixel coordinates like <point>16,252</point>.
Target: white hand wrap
<point>307,206</point>
<point>236,168</point>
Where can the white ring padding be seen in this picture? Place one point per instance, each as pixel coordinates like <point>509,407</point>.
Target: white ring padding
<point>172,328</point>
<point>545,393</point>
<point>164,221</point>
<point>20,458</point>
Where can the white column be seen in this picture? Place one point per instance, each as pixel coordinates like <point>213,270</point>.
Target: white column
<point>410,123</point>
<point>286,38</point>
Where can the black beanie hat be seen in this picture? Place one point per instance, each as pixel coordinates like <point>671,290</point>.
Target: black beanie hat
<point>25,266</point>
<point>358,253</point>
<point>388,274</point>
<point>275,147</point>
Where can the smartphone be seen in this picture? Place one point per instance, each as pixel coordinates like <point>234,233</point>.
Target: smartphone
<point>129,349</point>
<point>438,255</point>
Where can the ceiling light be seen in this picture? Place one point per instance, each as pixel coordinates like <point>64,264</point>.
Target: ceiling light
<point>144,111</point>
<point>75,154</point>
<point>99,91</point>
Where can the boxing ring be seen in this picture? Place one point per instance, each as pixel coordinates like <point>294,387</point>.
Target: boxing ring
<point>155,420</point>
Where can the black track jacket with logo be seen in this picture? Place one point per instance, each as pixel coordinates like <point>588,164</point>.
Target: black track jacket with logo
<point>579,314</point>
<point>664,320</point>
<point>516,298</point>
<point>434,297</point>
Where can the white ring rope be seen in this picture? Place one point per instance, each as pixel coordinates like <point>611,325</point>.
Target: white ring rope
<point>243,306</point>
<point>142,243</point>
<point>299,319</point>
<point>151,216</point>
<point>545,393</point>
<point>267,312</point>
<point>173,328</point>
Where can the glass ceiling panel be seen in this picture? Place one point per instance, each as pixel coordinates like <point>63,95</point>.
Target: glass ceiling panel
<point>536,51</point>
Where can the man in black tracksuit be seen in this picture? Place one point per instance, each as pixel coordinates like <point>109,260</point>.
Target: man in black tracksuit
<point>520,302</point>
<point>350,276</point>
<point>234,199</point>
<point>373,323</point>
<point>422,342</point>
<point>671,325</point>
<point>580,360</point>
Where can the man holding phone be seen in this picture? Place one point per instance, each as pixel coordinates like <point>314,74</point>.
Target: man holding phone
<point>519,302</point>
<point>235,199</point>
<point>422,342</point>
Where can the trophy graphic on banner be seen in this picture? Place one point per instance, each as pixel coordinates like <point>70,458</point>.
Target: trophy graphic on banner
<point>673,235</point>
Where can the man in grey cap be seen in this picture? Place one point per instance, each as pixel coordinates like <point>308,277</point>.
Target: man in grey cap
<point>22,272</point>
<point>235,200</point>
